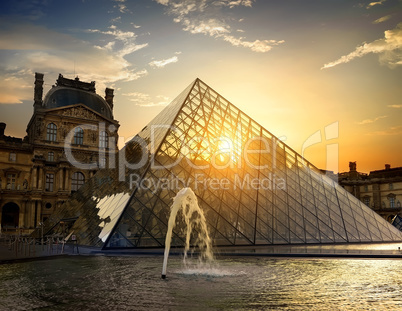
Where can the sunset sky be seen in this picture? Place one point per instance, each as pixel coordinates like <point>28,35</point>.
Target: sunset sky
<point>296,67</point>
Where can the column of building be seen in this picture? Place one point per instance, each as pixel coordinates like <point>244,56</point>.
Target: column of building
<point>21,216</point>
<point>66,180</point>
<point>377,196</point>
<point>40,178</point>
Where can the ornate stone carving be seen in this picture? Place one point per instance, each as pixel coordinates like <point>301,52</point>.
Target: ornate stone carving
<point>93,136</point>
<point>80,112</point>
<point>39,126</point>
<point>64,130</point>
<point>82,157</point>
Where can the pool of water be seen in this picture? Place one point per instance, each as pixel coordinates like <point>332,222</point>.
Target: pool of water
<point>237,283</point>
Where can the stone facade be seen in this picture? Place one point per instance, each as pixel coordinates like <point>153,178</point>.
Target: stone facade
<point>71,134</point>
<point>381,189</point>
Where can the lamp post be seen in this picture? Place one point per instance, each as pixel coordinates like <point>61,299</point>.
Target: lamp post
<point>41,230</point>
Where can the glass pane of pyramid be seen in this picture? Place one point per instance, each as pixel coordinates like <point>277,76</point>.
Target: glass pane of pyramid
<point>252,188</point>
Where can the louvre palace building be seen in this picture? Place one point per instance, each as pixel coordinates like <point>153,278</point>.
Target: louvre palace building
<point>381,190</point>
<point>71,134</point>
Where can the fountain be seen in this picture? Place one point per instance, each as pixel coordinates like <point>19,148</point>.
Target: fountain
<point>194,219</point>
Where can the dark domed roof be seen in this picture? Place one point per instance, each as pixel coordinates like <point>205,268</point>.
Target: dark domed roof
<point>61,96</point>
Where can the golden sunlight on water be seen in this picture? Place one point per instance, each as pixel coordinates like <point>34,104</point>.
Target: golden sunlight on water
<point>239,283</point>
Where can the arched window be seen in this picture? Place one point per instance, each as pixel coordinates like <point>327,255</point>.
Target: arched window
<point>51,132</point>
<point>103,140</point>
<point>10,216</point>
<point>77,181</point>
<point>78,136</point>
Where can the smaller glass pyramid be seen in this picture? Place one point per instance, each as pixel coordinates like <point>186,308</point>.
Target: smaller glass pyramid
<point>253,188</point>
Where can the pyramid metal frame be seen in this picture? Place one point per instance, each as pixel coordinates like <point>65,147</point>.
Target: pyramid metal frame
<point>268,195</point>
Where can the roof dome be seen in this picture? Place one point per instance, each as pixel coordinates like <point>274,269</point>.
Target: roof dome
<point>72,92</point>
<point>60,96</point>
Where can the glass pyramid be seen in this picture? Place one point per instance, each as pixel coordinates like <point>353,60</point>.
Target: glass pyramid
<point>253,188</point>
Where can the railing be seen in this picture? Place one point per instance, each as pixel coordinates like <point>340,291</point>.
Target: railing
<point>21,246</point>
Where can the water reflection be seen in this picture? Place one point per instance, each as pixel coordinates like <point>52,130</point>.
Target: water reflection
<point>133,283</point>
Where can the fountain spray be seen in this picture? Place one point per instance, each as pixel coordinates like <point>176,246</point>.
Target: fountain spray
<point>193,217</point>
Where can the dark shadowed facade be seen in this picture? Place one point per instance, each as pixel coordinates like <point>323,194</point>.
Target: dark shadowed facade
<point>381,190</point>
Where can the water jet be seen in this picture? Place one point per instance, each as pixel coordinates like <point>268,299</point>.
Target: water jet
<point>186,200</point>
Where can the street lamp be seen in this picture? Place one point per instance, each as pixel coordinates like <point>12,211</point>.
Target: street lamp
<point>41,230</point>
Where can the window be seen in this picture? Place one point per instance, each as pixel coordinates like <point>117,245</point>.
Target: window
<point>77,181</point>
<point>13,157</point>
<point>50,156</point>
<point>78,136</point>
<point>103,140</point>
<point>51,132</point>
<point>366,200</point>
<point>49,182</point>
<point>391,186</point>
<point>366,188</point>
<point>11,179</point>
<point>102,162</point>
<point>391,202</point>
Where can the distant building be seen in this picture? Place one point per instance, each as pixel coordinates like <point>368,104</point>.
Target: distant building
<point>72,133</point>
<point>381,190</point>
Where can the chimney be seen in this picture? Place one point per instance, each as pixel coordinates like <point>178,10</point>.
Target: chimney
<point>352,166</point>
<point>387,166</point>
<point>2,128</point>
<point>109,97</point>
<point>38,90</point>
